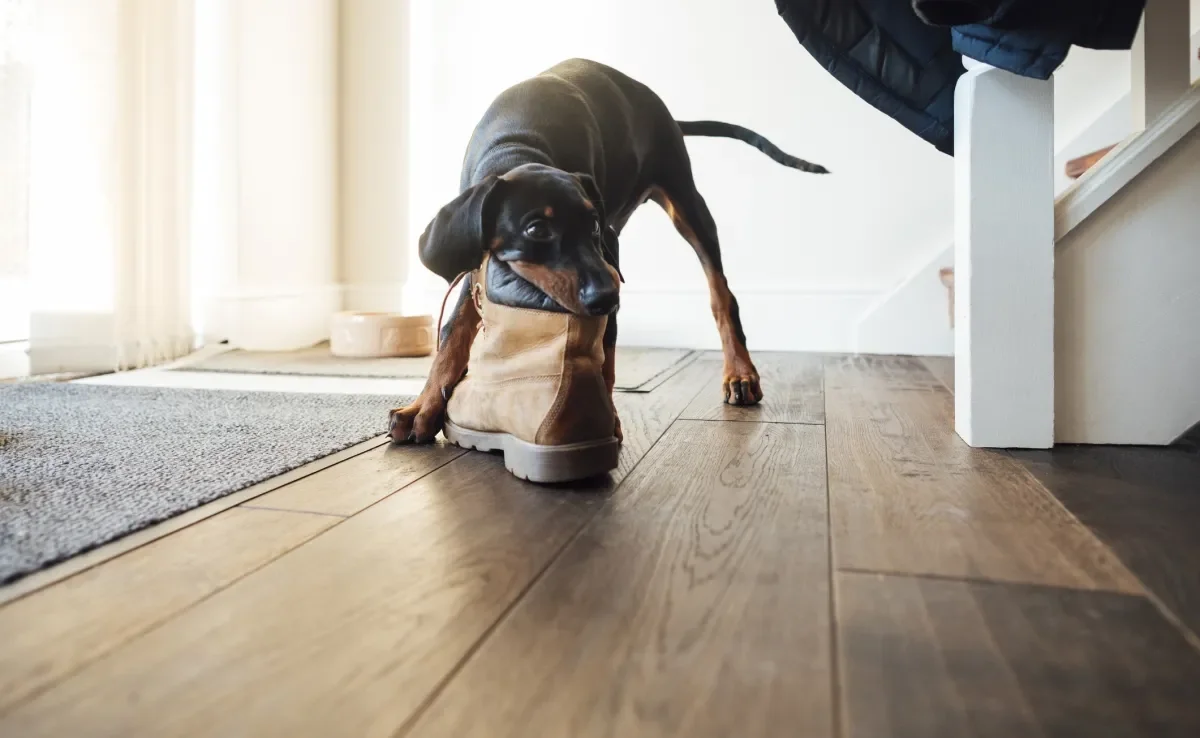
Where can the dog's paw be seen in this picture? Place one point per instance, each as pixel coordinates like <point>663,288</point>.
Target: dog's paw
<point>620,434</point>
<point>742,387</point>
<point>420,422</point>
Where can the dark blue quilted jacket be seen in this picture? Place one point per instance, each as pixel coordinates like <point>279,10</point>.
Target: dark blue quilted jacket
<point>1032,37</point>
<point>904,56</point>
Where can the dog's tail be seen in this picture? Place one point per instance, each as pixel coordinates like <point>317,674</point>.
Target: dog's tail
<point>718,129</point>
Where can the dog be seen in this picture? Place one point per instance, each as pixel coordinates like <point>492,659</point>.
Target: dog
<point>552,173</point>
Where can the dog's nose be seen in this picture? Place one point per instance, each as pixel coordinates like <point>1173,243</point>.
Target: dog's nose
<point>600,299</point>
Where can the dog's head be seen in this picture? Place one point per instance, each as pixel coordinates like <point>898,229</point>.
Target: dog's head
<point>543,227</point>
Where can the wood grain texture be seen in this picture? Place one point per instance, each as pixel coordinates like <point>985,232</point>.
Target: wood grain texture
<point>645,417</point>
<point>344,636</point>
<point>351,488</point>
<point>908,496</point>
<point>54,632</point>
<point>928,658</point>
<point>695,604</point>
<point>1144,503</point>
<point>351,633</point>
<point>358,483</point>
<point>1075,168</point>
<point>791,385</point>
<point>137,539</point>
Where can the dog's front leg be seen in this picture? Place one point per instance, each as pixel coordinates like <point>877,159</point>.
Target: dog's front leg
<point>610,371</point>
<point>421,421</point>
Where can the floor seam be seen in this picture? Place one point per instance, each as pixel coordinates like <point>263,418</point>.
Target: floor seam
<point>835,656</point>
<point>1166,612</point>
<point>982,580</point>
<point>151,627</point>
<point>290,510</point>
<point>760,422</point>
<point>414,718</point>
<point>215,505</point>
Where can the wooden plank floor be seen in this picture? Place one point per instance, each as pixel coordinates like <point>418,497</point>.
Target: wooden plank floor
<point>834,563</point>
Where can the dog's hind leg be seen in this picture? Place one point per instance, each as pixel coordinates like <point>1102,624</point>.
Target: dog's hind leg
<point>688,211</point>
<point>610,369</point>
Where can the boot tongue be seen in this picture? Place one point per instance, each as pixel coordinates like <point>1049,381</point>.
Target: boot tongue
<point>588,327</point>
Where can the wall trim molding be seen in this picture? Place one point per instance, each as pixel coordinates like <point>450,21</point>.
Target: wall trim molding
<point>911,318</point>
<point>14,360</point>
<point>822,320</point>
<point>94,342</point>
<point>276,319</point>
<point>1121,165</point>
<point>775,318</point>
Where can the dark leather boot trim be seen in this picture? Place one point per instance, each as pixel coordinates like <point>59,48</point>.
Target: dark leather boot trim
<point>506,287</point>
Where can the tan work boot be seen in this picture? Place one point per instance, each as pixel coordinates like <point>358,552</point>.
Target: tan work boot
<point>535,390</point>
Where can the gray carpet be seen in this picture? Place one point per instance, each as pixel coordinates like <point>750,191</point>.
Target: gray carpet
<point>81,465</point>
<point>638,369</point>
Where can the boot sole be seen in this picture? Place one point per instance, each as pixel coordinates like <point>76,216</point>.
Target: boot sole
<point>541,464</point>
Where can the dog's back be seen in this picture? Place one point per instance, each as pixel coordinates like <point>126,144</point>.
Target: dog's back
<point>578,115</point>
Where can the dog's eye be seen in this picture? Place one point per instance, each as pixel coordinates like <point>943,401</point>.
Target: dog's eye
<point>596,229</point>
<point>538,230</point>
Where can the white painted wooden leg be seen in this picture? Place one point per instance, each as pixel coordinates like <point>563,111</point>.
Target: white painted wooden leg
<point>1004,260</point>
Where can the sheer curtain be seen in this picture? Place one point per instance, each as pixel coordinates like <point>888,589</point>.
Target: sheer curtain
<point>109,171</point>
<point>14,169</point>
<point>225,167</point>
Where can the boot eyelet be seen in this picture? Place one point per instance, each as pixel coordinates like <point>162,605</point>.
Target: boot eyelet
<point>477,297</point>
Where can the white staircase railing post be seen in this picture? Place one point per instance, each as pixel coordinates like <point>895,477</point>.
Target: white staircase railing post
<point>1161,58</point>
<point>1004,259</point>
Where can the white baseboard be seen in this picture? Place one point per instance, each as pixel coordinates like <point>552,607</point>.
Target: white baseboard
<point>774,320</point>
<point>64,342</point>
<point>913,318</point>
<point>277,320</point>
<point>66,359</point>
<point>14,360</point>
<point>14,308</point>
<point>72,342</point>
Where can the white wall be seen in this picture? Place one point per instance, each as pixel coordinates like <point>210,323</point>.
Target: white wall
<point>267,189</point>
<point>805,254</point>
<point>76,199</point>
<point>1087,84</point>
<point>1092,104</point>
<point>15,83</point>
<point>108,141</point>
<point>373,136</point>
<point>811,258</point>
<point>1127,349</point>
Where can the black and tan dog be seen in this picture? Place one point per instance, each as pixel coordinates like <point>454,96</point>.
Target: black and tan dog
<point>552,174</point>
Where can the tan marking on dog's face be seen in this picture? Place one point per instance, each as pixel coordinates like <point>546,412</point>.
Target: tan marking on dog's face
<point>548,212</point>
<point>560,285</point>
<point>616,276</point>
<point>497,242</point>
<point>589,205</point>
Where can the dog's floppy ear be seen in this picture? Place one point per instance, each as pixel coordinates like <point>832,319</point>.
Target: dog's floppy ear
<point>453,242</point>
<point>588,182</point>
<point>608,235</point>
